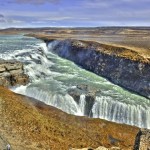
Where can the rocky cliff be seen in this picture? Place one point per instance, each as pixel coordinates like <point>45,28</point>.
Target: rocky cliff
<point>90,95</point>
<point>122,66</point>
<point>12,73</point>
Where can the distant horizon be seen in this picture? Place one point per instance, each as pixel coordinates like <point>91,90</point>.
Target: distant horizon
<point>75,27</point>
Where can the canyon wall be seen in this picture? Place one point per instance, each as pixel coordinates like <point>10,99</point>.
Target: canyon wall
<point>122,66</point>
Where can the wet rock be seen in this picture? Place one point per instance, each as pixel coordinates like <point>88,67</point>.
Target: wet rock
<point>12,73</point>
<point>89,93</point>
<point>142,141</point>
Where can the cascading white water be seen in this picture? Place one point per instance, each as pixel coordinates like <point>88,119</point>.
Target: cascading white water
<point>51,77</point>
<point>107,108</point>
<point>82,103</point>
<point>63,102</point>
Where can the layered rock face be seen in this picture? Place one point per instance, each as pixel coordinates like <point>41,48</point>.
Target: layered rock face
<point>12,73</point>
<point>120,65</point>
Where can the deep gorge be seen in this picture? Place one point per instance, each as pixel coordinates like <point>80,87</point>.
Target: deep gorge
<point>63,84</point>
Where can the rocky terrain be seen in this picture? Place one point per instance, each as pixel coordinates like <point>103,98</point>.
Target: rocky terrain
<point>12,73</point>
<point>142,142</point>
<point>29,124</point>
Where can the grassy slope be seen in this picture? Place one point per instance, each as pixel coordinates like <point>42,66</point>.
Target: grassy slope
<point>28,124</point>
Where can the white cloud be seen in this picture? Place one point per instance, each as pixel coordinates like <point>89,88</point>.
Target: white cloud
<point>2,19</point>
<point>99,3</point>
<point>6,22</point>
<point>105,12</point>
<point>57,18</point>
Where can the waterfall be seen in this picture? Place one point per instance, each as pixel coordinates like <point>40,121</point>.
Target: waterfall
<point>103,107</point>
<point>82,103</point>
<point>61,101</point>
<point>51,77</point>
<point>107,108</point>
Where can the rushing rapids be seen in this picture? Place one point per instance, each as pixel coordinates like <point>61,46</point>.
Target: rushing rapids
<point>52,76</point>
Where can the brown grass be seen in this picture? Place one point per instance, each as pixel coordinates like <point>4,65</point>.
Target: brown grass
<point>29,124</point>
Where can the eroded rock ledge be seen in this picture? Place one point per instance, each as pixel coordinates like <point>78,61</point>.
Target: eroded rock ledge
<point>12,73</point>
<point>122,66</point>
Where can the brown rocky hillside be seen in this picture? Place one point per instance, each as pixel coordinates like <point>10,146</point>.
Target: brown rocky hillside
<point>29,124</point>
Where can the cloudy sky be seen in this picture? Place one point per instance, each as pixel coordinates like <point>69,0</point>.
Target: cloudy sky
<point>64,13</point>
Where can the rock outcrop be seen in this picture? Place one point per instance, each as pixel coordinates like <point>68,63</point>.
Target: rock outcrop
<point>12,73</point>
<point>122,66</point>
<point>26,123</point>
<point>142,141</point>
<point>89,93</point>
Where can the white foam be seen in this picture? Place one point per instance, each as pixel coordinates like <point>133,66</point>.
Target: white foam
<point>19,89</point>
<point>107,108</point>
